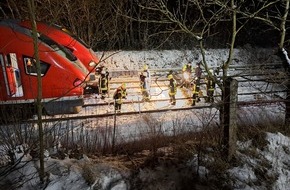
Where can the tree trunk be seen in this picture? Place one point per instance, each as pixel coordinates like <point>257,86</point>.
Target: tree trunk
<point>39,89</point>
<point>285,59</point>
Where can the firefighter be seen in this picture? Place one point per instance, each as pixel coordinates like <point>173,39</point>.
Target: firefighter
<point>172,88</point>
<point>119,95</point>
<point>103,85</point>
<point>187,68</point>
<point>197,73</point>
<point>195,92</point>
<point>147,74</point>
<point>186,75</point>
<point>210,87</point>
<point>143,85</point>
<point>99,69</point>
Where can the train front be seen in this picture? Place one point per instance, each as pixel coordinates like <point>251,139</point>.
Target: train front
<point>62,80</point>
<point>75,45</point>
<point>65,84</point>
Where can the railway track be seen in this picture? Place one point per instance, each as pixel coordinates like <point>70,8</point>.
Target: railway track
<point>88,116</point>
<point>164,109</point>
<point>97,108</point>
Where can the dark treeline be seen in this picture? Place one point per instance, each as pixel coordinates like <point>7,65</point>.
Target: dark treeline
<point>143,24</point>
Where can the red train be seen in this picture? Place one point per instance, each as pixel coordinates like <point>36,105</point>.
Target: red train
<point>77,46</point>
<point>61,74</point>
<point>64,37</point>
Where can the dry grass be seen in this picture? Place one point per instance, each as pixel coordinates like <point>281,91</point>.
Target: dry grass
<point>90,174</point>
<point>158,148</point>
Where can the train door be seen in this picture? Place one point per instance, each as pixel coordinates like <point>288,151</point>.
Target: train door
<point>11,74</point>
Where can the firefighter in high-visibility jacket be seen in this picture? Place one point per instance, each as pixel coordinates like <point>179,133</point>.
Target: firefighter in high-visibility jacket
<point>118,96</point>
<point>144,86</point>
<point>210,87</point>
<point>186,75</point>
<point>195,92</point>
<point>172,88</point>
<point>187,68</point>
<point>103,85</point>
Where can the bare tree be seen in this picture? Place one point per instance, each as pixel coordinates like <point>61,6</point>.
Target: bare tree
<point>208,15</point>
<point>39,90</point>
<point>274,14</point>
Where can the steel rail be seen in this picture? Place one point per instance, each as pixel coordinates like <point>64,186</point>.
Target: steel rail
<point>210,106</point>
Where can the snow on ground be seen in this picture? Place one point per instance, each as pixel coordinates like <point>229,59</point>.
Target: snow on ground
<point>71,174</point>
<point>271,164</point>
<point>135,60</point>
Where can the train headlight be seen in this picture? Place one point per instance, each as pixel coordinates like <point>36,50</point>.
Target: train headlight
<point>77,82</point>
<point>92,64</point>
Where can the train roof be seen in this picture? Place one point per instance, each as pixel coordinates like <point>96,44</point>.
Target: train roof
<point>66,38</point>
<point>13,24</point>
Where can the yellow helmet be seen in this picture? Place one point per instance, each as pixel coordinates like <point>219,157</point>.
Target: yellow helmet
<point>123,85</point>
<point>145,67</point>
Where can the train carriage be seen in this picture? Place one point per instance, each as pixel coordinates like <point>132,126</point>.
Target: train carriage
<point>61,78</point>
<point>74,44</point>
<point>64,37</point>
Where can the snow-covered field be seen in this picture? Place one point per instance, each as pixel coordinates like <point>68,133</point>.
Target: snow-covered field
<point>130,60</point>
<point>71,174</point>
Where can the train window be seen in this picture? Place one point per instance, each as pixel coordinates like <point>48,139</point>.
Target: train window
<point>58,48</point>
<point>63,51</point>
<point>8,60</point>
<point>30,66</point>
<point>70,49</point>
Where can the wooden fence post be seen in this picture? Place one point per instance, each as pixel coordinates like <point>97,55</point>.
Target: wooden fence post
<point>229,117</point>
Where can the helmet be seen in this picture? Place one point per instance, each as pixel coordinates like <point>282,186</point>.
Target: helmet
<point>145,67</point>
<point>123,85</point>
<point>103,72</point>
